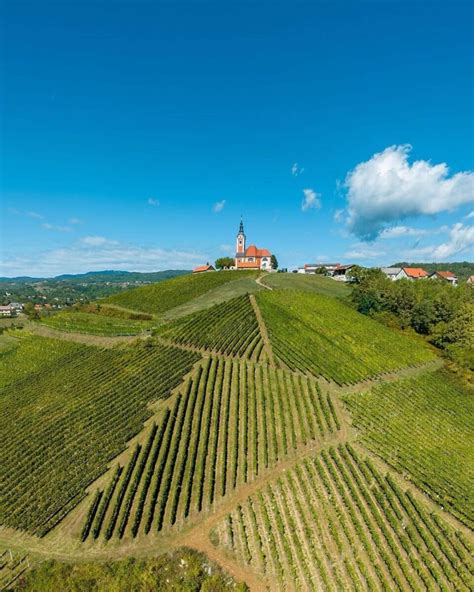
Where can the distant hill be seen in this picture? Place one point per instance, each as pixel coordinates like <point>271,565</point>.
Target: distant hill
<point>71,288</point>
<point>462,269</point>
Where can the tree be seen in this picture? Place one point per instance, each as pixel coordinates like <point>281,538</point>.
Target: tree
<point>274,262</point>
<point>223,262</point>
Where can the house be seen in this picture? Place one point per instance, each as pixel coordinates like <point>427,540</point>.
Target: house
<point>18,306</point>
<point>394,273</point>
<point>312,267</point>
<point>7,311</point>
<point>447,276</point>
<point>470,280</point>
<point>204,268</point>
<point>415,273</point>
<point>250,257</point>
<point>342,273</point>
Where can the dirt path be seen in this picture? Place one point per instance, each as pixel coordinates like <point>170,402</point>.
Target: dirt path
<point>263,330</point>
<point>260,283</point>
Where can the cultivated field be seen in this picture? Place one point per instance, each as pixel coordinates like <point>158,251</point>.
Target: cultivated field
<point>95,324</point>
<point>163,296</point>
<point>316,334</point>
<point>295,442</point>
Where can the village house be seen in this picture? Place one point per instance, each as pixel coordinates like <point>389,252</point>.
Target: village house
<point>313,267</point>
<point>7,311</point>
<point>250,257</point>
<point>447,276</point>
<point>204,268</point>
<point>394,273</point>
<point>415,273</point>
<point>470,280</point>
<point>342,273</point>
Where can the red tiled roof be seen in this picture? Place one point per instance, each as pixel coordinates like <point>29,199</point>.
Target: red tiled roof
<point>203,268</point>
<point>445,274</point>
<point>253,251</point>
<point>248,264</point>
<point>415,272</point>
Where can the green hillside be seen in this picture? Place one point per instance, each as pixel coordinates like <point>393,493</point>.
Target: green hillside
<point>160,297</point>
<point>423,427</point>
<point>61,425</point>
<point>95,324</point>
<point>308,283</point>
<point>317,334</point>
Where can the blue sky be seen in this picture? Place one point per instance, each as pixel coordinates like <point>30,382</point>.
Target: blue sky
<point>135,134</point>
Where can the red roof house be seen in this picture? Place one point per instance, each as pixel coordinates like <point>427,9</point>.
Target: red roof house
<point>444,275</point>
<point>202,268</point>
<point>415,273</point>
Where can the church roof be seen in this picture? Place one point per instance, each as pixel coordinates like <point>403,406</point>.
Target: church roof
<point>253,251</point>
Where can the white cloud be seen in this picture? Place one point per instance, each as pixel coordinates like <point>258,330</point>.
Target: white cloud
<point>151,201</point>
<point>461,240</point>
<point>34,215</point>
<point>338,215</point>
<point>75,221</point>
<point>364,251</point>
<point>402,231</point>
<point>97,255</point>
<point>296,169</point>
<point>387,188</point>
<point>218,206</point>
<point>311,200</point>
<point>55,228</point>
<point>469,216</point>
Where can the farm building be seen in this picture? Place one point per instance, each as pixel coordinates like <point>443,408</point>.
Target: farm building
<point>204,268</point>
<point>447,276</point>
<point>415,273</point>
<point>394,273</point>
<point>312,267</point>
<point>250,257</point>
<point>342,273</point>
<point>470,280</point>
<point>7,311</point>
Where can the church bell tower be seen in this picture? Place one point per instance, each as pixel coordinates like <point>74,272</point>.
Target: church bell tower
<point>240,243</point>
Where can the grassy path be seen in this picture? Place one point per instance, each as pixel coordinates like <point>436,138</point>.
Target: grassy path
<point>263,329</point>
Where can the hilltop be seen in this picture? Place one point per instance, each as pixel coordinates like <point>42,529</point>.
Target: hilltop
<point>261,421</point>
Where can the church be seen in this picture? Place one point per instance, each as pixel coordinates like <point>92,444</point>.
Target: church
<point>250,257</point>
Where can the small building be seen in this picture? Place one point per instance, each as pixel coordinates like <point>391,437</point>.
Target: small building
<point>18,306</point>
<point>415,273</point>
<point>250,257</point>
<point>394,273</point>
<point>470,280</point>
<point>313,267</point>
<point>204,268</point>
<point>7,311</point>
<point>447,276</point>
<point>342,273</point>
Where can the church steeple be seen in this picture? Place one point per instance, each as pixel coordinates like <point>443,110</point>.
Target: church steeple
<point>240,243</point>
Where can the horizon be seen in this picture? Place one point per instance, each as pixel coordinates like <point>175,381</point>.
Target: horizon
<point>134,139</point>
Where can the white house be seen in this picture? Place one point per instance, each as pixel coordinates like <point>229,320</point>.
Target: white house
<point>447,276</point>
<point>394,273</point>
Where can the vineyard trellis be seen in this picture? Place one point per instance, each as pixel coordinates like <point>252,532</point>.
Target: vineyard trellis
<point>61,426</point>
<point>230,421</point>
<point>335,522</point>
<point>321,335</point>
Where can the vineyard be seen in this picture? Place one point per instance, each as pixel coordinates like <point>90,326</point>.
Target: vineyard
<point>95,324</point>
<point>162,296</point>
<point>230,422</point>
<point>334,522</point>
<point>229,328</point>
<point>61,425</point>
<point>423,427</point>
<point>316,334</point>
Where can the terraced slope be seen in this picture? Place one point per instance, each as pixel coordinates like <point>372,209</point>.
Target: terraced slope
<point>61,425</point>
<point>230,422</point>
<point>95,324</point>
<point>423,427</point>
<point>334,522</point>
<point>229,328</point>
<point>316,334</point>
<point>162,296</point>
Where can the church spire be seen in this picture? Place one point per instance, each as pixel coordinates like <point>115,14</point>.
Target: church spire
<point>241,227</point>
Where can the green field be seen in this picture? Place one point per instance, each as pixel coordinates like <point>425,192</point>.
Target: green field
<point>63,423</point>
<point>317,334</point>
<point>230,328</point>
<point>423,427</point>
<point>335,522</point>
<point>163,296</point>
<point>229,423</point>
<point>95,324</point>
<point>318,284</point>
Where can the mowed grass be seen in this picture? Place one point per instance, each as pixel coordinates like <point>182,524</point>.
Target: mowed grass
<point>423,427</point>
<point>321,335</point>
<point>162,296</point>
<point>65,419</point>
<point>318,284</point>
<point>95,324</point>
<point>335,522</point>
<point>229,422</point>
